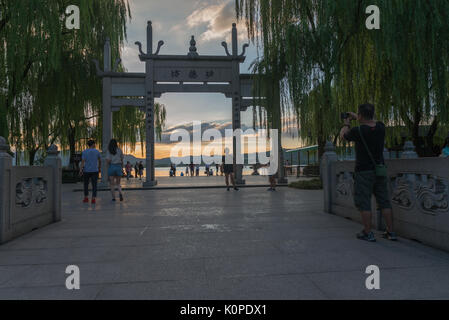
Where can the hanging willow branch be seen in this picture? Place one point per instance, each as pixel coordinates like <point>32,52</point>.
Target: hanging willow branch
<point>333,63</point>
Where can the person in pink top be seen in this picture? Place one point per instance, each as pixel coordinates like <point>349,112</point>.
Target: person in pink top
<point>128,169</point>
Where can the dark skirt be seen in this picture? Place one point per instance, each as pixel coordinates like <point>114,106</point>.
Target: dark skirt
<point>228,168</point>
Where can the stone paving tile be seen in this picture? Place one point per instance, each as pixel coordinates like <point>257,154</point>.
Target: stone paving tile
<point>400,283</point>
<point>291,287</point>
<point>212,248</point>
<point>50,293</point>
<point>9,272</point>
<point>54,275</point>
<point>231,267</point>
<point>157,290</point>
<point>62,255</point>
<point>34,243</point>
<point>151,268</point>
<point>94,230</point>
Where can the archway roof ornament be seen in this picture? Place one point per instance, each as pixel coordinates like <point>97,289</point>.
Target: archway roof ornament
<point>193,51</point>
<point>189,72</point>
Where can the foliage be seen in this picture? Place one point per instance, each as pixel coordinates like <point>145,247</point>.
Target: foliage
<point>332,63</point>
<point>51,93</point>
<point>313,184</point>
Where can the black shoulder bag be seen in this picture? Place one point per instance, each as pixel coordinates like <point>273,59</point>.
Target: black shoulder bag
<point>381,169</point>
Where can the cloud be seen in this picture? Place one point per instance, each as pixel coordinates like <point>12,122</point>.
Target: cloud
<point>217,19</point>
<point>130,56</point>
<point>204,14</point>
<point>221,126</point>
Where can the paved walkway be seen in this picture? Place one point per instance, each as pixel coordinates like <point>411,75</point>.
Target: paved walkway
<point>196,182</point>
<point>213,244</point>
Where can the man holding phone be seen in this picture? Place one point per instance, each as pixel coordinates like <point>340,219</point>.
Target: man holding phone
<point>370,171</point>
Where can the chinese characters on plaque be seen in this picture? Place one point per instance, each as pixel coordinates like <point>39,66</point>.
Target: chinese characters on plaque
<point>193,74</point>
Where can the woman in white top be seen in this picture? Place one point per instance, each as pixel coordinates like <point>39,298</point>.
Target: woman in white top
<point>114,159</point>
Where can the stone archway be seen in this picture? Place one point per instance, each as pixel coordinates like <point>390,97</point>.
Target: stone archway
<point>190,73</point>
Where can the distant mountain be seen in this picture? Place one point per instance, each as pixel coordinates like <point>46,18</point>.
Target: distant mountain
<point>157,162</point>
<point>166,162</point>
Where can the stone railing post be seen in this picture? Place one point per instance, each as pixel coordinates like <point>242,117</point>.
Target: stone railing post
<point>53,160</point>
<point>379,222</point>
<point>386,154</point>
<point>5,187</point>
<point>328,158</point>
<point>409,151</point>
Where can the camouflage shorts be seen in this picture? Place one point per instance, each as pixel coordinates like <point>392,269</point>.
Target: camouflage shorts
<point>366,183</point>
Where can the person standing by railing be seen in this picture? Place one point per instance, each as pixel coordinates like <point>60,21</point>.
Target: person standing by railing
<point>128,169</point>
<point>90,168</point>
<point>136,170</point>
<point>445,150</point>
<point>140,170</point>
<point>370,170</point>
<point>272,180</point>
<point>228,168</point>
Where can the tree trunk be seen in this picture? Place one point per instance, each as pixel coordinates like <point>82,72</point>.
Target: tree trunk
<point>321,145</point>
<point>432,150</point>
<point>3,121</point>
<point>32,155</point>
<point>321,138</point>
<point>424,145</point>
<point>417,140</point>
<point>72,144</point>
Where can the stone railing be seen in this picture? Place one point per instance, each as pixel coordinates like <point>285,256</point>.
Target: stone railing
<point>30,197</point>
<point>419,192</point>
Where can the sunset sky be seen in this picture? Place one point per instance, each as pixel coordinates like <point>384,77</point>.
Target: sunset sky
<point>174,22</point>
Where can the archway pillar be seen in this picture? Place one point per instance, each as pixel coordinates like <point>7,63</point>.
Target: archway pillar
<point>171,73</point>
<point>278,125</point>
<point>150,179</point>
<point>236,108</point>
<point>107,115</point>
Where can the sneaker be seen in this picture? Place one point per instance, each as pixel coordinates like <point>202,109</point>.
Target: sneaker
<point>367,237</point>
<point>121,197</point>
<point>94,201</point>
<point>228,188</point>
<point>236,189</point>
<point>86,200</point>
<point>390,236</point>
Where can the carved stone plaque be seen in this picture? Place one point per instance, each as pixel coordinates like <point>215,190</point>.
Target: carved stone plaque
<point>31,191</point>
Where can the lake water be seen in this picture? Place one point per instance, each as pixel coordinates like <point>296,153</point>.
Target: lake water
<point>165,172</point>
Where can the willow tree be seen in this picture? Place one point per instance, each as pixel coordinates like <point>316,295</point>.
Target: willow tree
<point>49,91</point>
<point>334,63</point>
<point>413,47</point>
<point>129,125</point>
<point>308,37</point>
